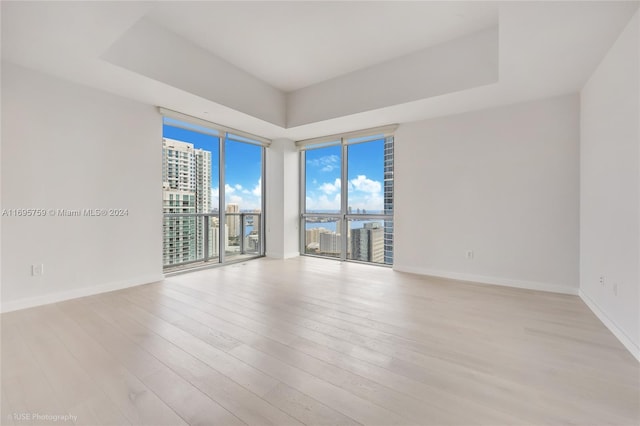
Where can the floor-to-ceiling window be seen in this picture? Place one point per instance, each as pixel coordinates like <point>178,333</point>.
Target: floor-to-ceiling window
<point>213,198</point>
<point>347,196</point>
<point>244,163</point>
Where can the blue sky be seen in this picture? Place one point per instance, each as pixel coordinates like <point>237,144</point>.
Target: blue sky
<point>242,167</point>
<point>365,180</point>
<point>323,167</point>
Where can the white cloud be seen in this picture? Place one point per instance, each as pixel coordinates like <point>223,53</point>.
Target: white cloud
<point>364,184</point>
<point>245,198</point>
<point>323,202</point>
<point>364,193</point>
<point>257,190</point>
<point>330,188</point>
<point>327,163</point>
<point>215,193</point>
<point>369,202</point>
<point>237,200</point>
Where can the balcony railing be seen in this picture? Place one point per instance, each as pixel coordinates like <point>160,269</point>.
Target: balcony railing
<point>190,238</point>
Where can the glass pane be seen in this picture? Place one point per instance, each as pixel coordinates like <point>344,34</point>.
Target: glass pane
<point>388,242</point>
<point>368,179</point>
<point>180,243</point>
<point>388,180</point>
<point>366,167</point>
<point>190,176</point>
<point>243,198</point>
<point>252,235</point>
<point>370,241</point>
<point>214,236</point>
<point>322,180</point>
<point>322,236</point>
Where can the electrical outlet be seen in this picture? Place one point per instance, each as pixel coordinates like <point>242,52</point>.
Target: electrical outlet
<point>602,280</point>
<point>37,270</point>
<point>615,289</point>
<point>469,254</point>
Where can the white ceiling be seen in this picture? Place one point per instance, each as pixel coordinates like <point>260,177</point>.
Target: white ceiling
<point>293,45</point>
<point>546,48</point>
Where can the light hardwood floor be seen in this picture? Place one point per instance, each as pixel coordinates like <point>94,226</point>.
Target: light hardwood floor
<point>313,341</point>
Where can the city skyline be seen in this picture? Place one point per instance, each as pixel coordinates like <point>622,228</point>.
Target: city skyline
<point>369,191</point>
<point>191,228</point>
<point>243,165</point>
<point>369,169</point>
<point>365,188</point>
<point>185,175</point>
<point>365,240</point>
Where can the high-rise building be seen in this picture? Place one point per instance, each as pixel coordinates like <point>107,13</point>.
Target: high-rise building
<point>186,185</point>
<point>214,236</point>
<point>388,199</point>
<point>178,232</point>
<point>313,235</point>
<point>185,168</point>
<point>367,243</point>
<point>233,220</point>
<point>202,168</point>
<point>329,243</point>
<point>312,239</point>
<point>252,242</point>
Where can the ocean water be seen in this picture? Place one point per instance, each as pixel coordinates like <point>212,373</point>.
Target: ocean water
<point>331,226</point>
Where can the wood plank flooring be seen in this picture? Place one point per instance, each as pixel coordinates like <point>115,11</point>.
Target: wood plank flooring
<point>315,342</point>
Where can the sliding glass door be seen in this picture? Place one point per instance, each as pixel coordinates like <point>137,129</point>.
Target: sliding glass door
<point>370,201</point>
<point>212,195</point>
<point>347,191</point>
<point>243,198</point>
<point>322,216</point>
<point>190,157</point>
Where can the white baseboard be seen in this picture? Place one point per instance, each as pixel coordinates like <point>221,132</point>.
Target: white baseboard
<point>282,255</point>
<point>46,299</point>
<point>612,326</point>
<point>482,279</point>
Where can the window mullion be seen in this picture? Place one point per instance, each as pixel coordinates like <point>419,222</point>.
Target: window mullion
<point>263,205</point>
<point>222,220</point>
<point>344,201</point>
<point>302,243</point>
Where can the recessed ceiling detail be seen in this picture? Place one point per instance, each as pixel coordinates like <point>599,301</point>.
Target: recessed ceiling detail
<point>304,69</point>
<point>461,64</point>
<point>291,45</point>
<point>159,54</point>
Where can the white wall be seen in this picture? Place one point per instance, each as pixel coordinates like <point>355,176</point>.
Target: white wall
<point>502,183</point>
<point>610,186</point>
<point>70,147</point>
<point>283,208</point>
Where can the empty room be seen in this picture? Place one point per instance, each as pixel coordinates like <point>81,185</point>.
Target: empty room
<point>320,213</point>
